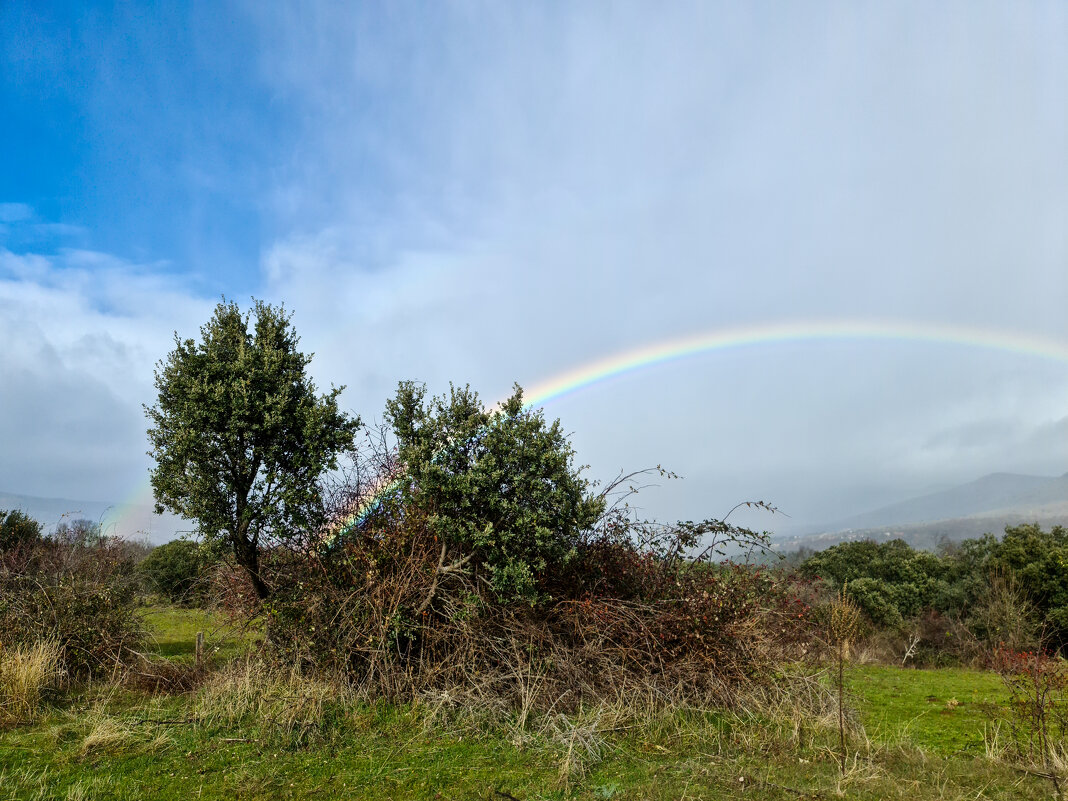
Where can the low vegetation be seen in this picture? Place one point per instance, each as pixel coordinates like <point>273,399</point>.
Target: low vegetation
<point>962,604</point>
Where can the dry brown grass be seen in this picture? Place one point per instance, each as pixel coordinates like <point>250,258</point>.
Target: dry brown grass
<point>250,692</point>
<point>26,674</point>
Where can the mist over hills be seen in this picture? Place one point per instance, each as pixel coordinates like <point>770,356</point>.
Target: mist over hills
<point>130,521</point>
<point>997,492</point>
<point>986,505</point>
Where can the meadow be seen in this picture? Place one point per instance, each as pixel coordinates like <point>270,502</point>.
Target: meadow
<point>248,731</point>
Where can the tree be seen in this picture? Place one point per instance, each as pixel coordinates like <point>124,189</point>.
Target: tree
<point>17,529</point>
<point>889,581</point>
<point>79,533</point>
<point>240,437</point>
<point>499,486</point>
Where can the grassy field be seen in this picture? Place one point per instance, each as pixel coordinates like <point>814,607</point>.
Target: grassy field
<point>941,711</point>
<point>265,737</point>
<point>173,630</point>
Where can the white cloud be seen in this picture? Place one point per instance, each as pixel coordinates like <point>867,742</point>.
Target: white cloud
<point>82,332</point>
<point>556,187</point>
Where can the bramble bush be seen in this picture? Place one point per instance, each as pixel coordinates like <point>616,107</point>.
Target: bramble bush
<point>1037,710</point>
<point>76,589</point>
<point>456,570</point>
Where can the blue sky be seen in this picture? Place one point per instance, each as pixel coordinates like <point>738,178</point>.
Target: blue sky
<point>145,130</point>
<point>489,193</point>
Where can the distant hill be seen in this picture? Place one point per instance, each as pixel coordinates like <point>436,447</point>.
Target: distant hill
<point>123,520</point>
<point>986,505</point>
<point>1007,493</point>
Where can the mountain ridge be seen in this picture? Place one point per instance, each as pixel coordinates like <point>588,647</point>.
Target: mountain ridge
<point>989,495</point>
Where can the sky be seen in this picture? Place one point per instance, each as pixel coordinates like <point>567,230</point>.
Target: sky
<point>490,193</point>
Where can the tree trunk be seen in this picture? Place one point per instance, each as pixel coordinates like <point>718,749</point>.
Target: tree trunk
<point>247,556</point>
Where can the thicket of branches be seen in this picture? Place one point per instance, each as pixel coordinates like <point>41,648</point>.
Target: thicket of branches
<point>75,589</point>
<point>402,592</point>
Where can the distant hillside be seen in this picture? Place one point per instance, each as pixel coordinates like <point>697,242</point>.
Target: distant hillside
<point>124,520</point>
<point>986,505</point>
<point>926,536</point>
<point>998,493</point>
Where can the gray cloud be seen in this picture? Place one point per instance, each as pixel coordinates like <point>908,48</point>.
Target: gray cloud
<point>81,334</point>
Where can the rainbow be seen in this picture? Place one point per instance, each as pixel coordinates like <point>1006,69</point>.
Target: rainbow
<point>699,344</point>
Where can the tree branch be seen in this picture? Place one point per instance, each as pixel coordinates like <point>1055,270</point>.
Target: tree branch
<point>441,570</point>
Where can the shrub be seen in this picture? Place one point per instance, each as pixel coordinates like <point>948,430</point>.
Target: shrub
<point>77,592</point>
<point>1038,559</point>
<point>890,581</point>
<point>403,613</point>
<point>498,486</point>
<point>473,562</point>
<point>92,624</point>
<point>1004,618</point>
<point>18,530</point>
<point>177,571</point>
<point>1037,710</point>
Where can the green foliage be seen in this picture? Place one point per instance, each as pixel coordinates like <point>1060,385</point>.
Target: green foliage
<point>176,571</point>
<point>889,581</point>
<point>17,529</point>
<point>500,485</point>
<point>880,600</point>
<point>240,437</point>
<point>1039,561</point>
<point>1005,590</point>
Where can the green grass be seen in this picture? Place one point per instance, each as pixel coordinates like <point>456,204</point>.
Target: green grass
<point>109,743</point>
<point>938,710</point>
<point>173,630</point>
<point>388,752</point>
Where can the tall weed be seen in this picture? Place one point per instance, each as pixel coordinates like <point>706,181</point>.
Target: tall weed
<point>26,674</point>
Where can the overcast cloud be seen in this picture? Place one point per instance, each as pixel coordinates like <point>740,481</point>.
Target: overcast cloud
<point>493,193</point>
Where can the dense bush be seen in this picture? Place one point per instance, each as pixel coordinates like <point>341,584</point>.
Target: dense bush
<point>889,581</point>
<point>76,590</point>
<point>18,530</point>
<point>499,486</point>
<point>177,571</point>
<point>973,597</point>
<point>1039,561</point>
<point>403,610</point>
